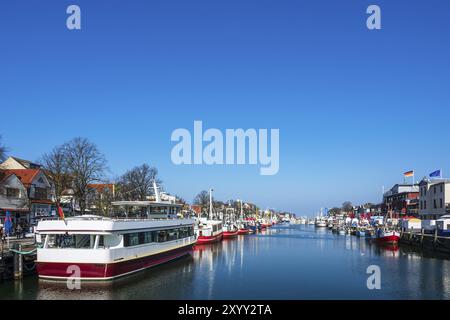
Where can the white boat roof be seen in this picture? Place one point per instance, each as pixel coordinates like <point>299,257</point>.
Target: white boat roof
<point>210,222</point>
<point>145,204</point>
<point>97,224</point>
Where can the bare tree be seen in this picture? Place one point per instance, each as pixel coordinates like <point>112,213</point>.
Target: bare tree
<point>347,206</point>
<point>202,199</point>
<point>55,165</point>
<point>137,183</point>
<point>3,150</point>
<point>86,165</point>
<point>101,198</point>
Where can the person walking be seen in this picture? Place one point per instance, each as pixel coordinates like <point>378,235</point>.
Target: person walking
<point>18,231</point>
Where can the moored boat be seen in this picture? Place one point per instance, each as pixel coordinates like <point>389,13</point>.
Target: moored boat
<point>209,231</point>
<point>388,236</point>
<point>97,248</point>
<point>230,231</point>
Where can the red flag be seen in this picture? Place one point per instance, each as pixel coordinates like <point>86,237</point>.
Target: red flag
<point>60,212</point>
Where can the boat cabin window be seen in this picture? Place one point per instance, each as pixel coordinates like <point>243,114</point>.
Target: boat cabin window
<point>139,238</point>
<point>76,241</point>
<point>143,212</point>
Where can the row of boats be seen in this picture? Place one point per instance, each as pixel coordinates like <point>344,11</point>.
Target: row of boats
<point>94,248</point>
<point>211,231</point>
<point>364,228</point>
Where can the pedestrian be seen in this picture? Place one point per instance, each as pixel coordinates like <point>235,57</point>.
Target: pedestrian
<point>18,231</point>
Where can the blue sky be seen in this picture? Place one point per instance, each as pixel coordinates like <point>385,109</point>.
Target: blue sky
<point>355,108</point>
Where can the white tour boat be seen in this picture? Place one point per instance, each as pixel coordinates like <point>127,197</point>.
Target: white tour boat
<point>98,248</point>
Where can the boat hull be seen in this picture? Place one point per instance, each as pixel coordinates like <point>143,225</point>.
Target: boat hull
<point>209,239</point>
<point>389,239</point>
<point>107,271</point>
<point>243,231</point>
<point>230,234</point>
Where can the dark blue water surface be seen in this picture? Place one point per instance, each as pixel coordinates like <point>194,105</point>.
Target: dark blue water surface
<point>285,262</point>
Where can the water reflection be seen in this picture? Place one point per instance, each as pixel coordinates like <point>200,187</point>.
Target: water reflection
<point>286,262</point>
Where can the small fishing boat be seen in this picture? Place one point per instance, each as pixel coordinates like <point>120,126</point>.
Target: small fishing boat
<point>243,228</point>
<point>388,236</point>
<point>230,231</point>
<point>342,231</point>
<point>208,231</point>
<point>320,221</point>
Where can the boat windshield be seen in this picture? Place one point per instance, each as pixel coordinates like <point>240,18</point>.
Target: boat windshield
<point>76,241</point>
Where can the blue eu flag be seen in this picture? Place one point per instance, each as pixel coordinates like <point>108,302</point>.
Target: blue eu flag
<point>435,174</point>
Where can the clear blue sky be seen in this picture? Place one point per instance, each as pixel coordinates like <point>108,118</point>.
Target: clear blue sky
<point>355,108</point>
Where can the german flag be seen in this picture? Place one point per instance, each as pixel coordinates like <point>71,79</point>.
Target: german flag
<point>409,173</point>
<point>61,212</point>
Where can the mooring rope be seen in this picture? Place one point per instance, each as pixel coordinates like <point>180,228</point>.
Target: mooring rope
<point>23,252</point>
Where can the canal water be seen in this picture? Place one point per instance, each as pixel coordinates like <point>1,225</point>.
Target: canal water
<point>284,262</point>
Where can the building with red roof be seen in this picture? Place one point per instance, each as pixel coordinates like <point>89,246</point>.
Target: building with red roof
<point>38,190</point>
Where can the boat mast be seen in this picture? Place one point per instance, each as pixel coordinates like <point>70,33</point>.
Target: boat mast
<point>155,189</point>
<point>210,205</point>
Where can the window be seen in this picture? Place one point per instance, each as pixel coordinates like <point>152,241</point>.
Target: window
<point>421,205</point>
<point>74,241</point>
<point>101,242</point>
<point>442,188</point>
<point>425,205</point>
<point>435,189</point>
<point>40,193</point>
<point>441,204</point>
<point>12,193</point>
<point>434,204</point>
<point>134,239</point>
<point>149,237</point>
<point>162,236</point>
<point>131,239</point>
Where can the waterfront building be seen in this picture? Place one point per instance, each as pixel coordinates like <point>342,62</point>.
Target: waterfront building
<point>14,163</point>
<point>402,200</point>
<point>39,192</point>
<point>434,200</point>
<point>13,198</point>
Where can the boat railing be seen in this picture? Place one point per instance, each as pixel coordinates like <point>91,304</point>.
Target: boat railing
<point>121,219</point>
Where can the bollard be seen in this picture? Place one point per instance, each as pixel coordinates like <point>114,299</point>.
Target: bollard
<point>422,232</point>
<point>435,235</point>
<point>18,264</point>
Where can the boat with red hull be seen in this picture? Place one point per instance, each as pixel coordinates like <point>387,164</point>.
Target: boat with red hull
<point>97,248</point>
<point>230,234</point>
<point>230,231</point>
<point>243,231</point>
<point>106,271</point>
<point>209,239</point>
<point>388,237</point>
<point>209,231</point>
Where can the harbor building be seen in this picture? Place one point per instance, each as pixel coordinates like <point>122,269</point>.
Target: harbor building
<point>402,200</point>
<point>13,198</point>
<point>14,163</point>
<point>434,200</point>
<point>38,191</point>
